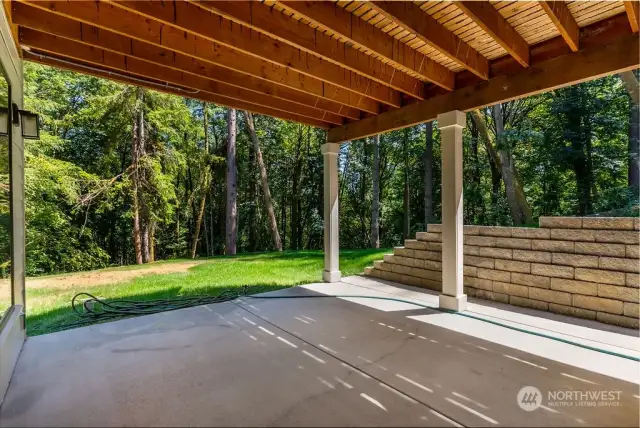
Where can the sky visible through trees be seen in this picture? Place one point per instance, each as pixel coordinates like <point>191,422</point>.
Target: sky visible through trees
<point>125,175</point>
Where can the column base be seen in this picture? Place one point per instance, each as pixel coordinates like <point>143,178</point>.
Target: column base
<point>331,275</point>
<point>453,303</point>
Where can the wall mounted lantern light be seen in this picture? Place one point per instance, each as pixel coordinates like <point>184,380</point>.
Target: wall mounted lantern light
<point>30,123</point>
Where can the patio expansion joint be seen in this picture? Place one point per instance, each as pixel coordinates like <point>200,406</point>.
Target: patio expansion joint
<point>329,355</point>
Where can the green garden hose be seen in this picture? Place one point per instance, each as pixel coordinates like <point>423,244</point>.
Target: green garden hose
<point>97,310</point>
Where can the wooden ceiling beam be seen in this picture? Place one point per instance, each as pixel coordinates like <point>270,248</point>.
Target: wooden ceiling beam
<point>109,17</point>
<point>489,19</point>
<point>49,44</point>
<point>14,27</point>
<point>571,68</point>
<point>427,29</point>
<point>633,12</point>
<point>158,86</point>
<point>561,17</point>
<point>41,20</point>
<point>329,16</point>
<point>183,16</point>
<point>260,17</point>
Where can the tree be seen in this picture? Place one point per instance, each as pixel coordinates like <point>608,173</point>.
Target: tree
<point>375,197</point>
<point>428,173</point>
<point>204,181</point>
<point>520,210</point>
<point>232,185</point>
<point>137,151</point>
<point>630,81</point>
<point>103,142</point>
<point>264,181</point>
<point>407,212</point>
<point>502,166</point>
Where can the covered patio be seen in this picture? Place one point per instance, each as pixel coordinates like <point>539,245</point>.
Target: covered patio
<point>323,362</point>
<point>356,69</point>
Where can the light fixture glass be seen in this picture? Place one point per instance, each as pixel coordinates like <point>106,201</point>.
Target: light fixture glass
<point>30,128</point>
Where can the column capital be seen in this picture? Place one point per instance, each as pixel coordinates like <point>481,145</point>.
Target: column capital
<point>330,148</point>
<point>452,118</point>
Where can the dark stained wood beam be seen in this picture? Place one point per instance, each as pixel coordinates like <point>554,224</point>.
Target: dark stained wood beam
<point>49,44</point>
<point>489,19</point>
<point>44,21</point>
<point>418,22</point>
<point>561,17</point>
<point>185,16</point>
<point>160,87</point>
<point>260,17</point>
<point>109,17</point>
<point>574,67</point>
<point>329,16</point>
<point>633,12</point>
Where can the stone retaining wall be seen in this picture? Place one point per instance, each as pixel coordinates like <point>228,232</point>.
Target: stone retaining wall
<point>585,267</point>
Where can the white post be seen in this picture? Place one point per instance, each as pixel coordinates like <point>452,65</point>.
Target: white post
<point>331,272</point>
<point>451,124</point>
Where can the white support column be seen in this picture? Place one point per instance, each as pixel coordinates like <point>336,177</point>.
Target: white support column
<point>451,125</point>
<point>331,272</point>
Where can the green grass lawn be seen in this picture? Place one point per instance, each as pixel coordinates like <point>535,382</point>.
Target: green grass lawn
<point>49,308</point>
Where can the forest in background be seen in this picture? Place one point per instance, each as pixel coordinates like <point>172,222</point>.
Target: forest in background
<point>125,175</point>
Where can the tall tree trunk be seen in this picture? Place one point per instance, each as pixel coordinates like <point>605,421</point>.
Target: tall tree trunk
<point>428,174</point>
<point>196,232</point>
<point>295,194</point>
<point>152,242</point>
<point>576,135</point>
<point>264,181</point>
<point>478,205</point>
<point>144,238</point>
<point>136,153</point>
<point>407,214</point>
<point>177,212</point>
<point>204,181</point>
<point>633,88</point>
<point>520,210</point>
<point>232,186</point>
<point>211,209</point>
<point>375,195</point>
<point>494,159</point>
<point>502,161</point>
<point>252,219</point>
<point>284,215</point>
<point>362,208</point>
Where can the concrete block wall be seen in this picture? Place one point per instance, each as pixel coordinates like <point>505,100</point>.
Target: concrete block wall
<point>586,267</point>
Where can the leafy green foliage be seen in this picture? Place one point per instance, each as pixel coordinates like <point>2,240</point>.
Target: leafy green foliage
<point>569,148</point>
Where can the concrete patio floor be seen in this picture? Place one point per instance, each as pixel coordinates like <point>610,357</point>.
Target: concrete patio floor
<point>321,362</point>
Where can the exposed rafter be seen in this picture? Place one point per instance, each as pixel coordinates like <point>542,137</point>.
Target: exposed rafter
<point>329,16</point>
<point>489,19</point>
<point>158,85</point>
<point>361,67</point>
<point>568,69</point>
<point>41,20</point>
<point>273,23</point>
<point>561,17</point>
<point>633,12</point>
<point>416,21</point>
<point>116,19</point>
<point>42,42</point>
<point>184,16</point>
